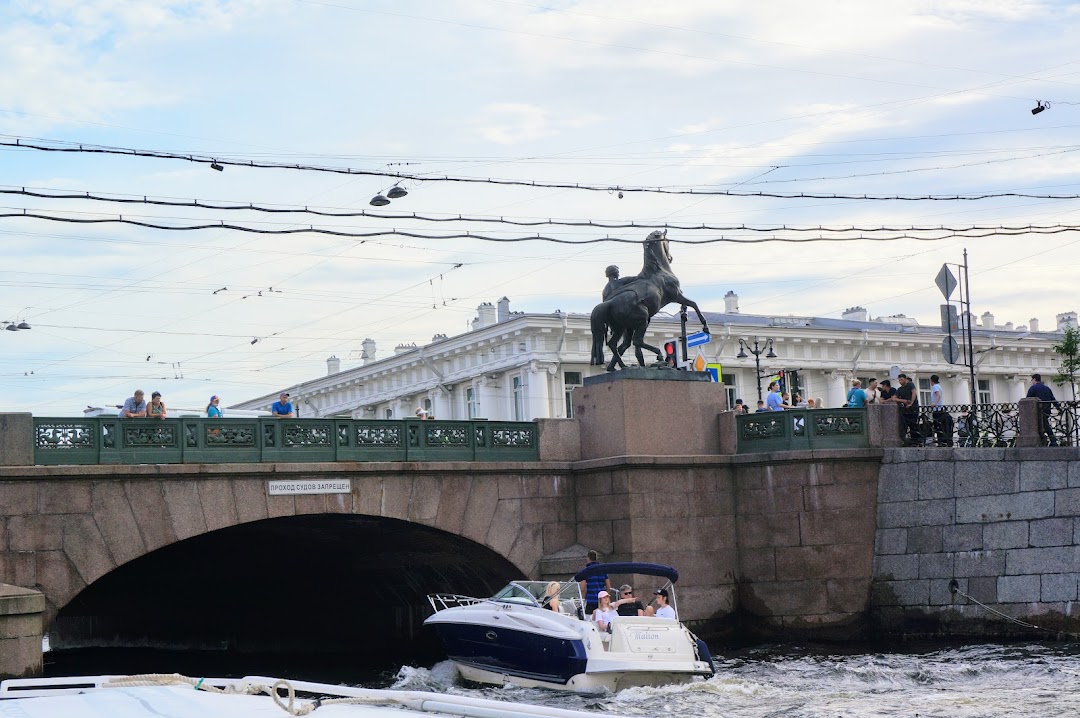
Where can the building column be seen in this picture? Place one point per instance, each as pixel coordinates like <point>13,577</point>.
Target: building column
<point>539,390</point>
<point>487,391</point>
<point>836,393</point>
<point>440,403</point>
<point>962,394</point>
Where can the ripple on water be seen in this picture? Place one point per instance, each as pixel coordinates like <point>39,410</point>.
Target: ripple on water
<point>1019,681</point>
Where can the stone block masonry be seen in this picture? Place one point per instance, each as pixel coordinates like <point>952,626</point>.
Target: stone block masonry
<point>1003,523</point>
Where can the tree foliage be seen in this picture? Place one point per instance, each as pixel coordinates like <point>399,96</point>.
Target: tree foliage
<point>1069,351</point>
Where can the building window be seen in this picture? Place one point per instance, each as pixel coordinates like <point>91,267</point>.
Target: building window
<point>519,399</point>
<point>729,389</point>
<point>984,392</point>
<point>571,379</point>
<point>471,403</point>
<point>427,408</point>
<point>924,392</point>
<point>389,413</point>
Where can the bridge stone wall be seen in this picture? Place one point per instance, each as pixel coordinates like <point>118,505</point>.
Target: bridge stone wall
<point>1004,523</point>
<point>61,528</point>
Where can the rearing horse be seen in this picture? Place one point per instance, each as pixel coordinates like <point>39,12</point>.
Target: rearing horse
<point>628,311</point>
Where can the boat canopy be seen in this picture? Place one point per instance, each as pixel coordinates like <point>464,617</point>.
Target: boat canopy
<point>644,569</point>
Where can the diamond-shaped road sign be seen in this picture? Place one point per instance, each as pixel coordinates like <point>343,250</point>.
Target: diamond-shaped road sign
<point>945,281</point>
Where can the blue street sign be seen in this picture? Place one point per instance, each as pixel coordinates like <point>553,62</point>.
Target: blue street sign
<point>697,339</point>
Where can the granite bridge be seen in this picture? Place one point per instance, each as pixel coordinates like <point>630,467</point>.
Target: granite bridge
<point>828,528</point>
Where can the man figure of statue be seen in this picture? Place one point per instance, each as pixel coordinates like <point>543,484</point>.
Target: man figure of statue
<point>614,283</point>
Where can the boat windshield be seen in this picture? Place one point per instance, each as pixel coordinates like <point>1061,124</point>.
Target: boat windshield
<point>536,593</point>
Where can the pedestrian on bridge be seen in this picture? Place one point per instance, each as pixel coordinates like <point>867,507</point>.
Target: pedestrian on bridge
<point>134,406</point>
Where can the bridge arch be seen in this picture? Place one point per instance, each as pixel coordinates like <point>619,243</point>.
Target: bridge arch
<point>68,530</point>
<point>310,584</point>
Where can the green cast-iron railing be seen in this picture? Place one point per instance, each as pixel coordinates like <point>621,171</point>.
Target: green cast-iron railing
<point>106,440</point>
<point>801,429</point>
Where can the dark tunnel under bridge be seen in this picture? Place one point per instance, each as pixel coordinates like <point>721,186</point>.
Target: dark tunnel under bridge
<point>343,589</point>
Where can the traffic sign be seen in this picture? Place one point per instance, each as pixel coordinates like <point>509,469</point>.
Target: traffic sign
<point>716,372</point>
<point>945,281</point>
<point>950,350</point>
<point>950,322</point>
<point>697,339</point>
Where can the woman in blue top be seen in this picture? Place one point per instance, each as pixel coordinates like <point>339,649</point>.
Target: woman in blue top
<point>212,410</point>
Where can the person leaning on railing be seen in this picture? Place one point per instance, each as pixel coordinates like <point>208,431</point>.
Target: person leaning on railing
<point>1045,395</point>
<point>134,406</point>
<point>282,408</point>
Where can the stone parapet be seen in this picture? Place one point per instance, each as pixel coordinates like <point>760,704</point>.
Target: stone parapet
<point>16,439</point>
<point>21,626</point>
<point>649,412</point>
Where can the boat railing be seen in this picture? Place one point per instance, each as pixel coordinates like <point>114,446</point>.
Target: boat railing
<point>442,601</point>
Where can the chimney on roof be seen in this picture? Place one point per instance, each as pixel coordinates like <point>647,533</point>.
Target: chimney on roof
<point>487,315</point>
<point>1008,326</point>
<point>1066,320</point>
<point>1034,324</point>
<point>368,354</point>
<point>402,348</point>
<point>333,365</point>
<point>987,320</point>
<point>503,313</point>
<point>438,338</point>
<point>731,302</point>
<point>855,314</point>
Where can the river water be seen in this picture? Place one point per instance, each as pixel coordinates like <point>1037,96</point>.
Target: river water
<point>1036,680</point>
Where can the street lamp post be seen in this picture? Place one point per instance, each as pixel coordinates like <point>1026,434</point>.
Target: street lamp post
<point>757,351</point>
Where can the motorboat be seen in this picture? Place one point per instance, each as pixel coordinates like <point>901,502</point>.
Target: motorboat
<point>157,695</point>
<point>515,637</point>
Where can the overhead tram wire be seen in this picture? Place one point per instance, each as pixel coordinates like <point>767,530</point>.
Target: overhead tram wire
<point>513,222</point>
<point>973,234</point>
<point>505,182</point>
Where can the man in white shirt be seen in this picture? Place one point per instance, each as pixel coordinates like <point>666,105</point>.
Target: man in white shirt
<point>662,610</point>
<point>943,423</point>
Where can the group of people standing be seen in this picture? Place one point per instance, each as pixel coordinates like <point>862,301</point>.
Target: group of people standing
<point>906,395</point>
<point>136,407</point>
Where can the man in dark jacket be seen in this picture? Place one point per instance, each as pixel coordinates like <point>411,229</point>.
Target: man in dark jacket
<point>1044,394</point>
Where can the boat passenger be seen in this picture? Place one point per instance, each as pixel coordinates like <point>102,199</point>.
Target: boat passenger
<point>663,609</point>
<point>628,605</point>
<point>551,597</point>
<point>593,584</point>
<point>604,613</point>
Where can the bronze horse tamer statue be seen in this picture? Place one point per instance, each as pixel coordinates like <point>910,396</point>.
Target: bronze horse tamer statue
<point>634,302</point>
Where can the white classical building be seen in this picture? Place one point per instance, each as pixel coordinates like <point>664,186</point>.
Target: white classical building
<point>519,367</point>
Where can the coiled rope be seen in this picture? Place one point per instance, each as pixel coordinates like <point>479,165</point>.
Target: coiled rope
<point>288,703</point>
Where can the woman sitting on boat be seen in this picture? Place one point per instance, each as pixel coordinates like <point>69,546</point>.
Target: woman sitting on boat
<point>551,597</point>
<point>605,614</point>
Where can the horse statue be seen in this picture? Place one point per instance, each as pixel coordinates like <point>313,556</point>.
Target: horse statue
<point>633,301</point>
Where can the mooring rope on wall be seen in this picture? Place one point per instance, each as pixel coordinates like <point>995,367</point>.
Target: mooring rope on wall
<point>954,587</point>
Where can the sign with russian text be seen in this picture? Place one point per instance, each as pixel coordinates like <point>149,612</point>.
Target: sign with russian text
<point>308,486</point>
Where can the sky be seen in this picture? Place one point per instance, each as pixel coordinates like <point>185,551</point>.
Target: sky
<point>848,98</point>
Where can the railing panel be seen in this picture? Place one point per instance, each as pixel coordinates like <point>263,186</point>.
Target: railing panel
<point>1061,418</point>
<point>375,440</point>
<point>987,426</point>
<point>66,441</point>
<point>111,440</point>
<point>140,441</point>
<point>298,440</point>
<point>219,441</point>
<point>505,441</point>
<point>434,440</point>
<point>801,429</point>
